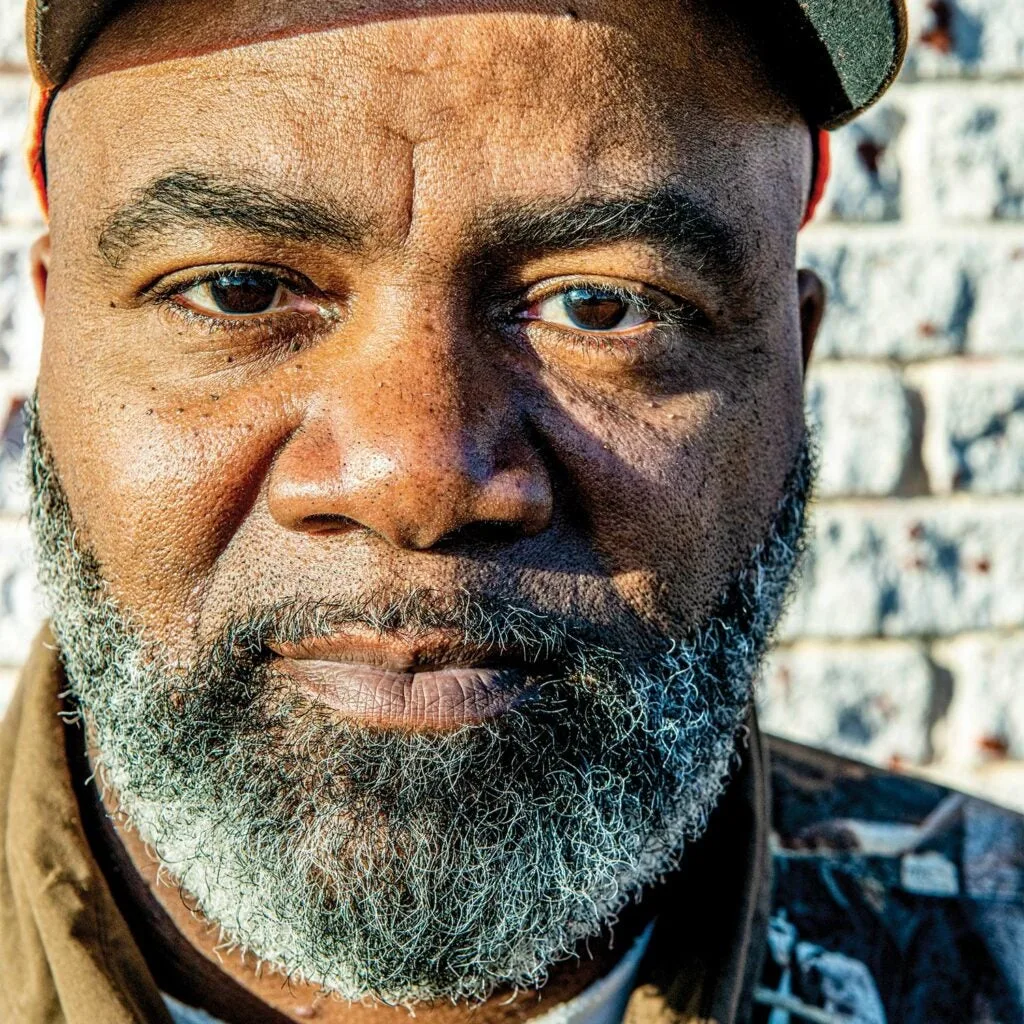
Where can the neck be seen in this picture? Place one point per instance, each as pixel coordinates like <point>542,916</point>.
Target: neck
<point>188,961</point>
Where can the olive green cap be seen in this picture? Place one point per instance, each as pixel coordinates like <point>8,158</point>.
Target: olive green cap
<point>836,56</point>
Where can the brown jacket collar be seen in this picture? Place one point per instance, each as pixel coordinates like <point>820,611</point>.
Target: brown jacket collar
<point>69,957</point>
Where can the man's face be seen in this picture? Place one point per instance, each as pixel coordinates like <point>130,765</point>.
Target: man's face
<point>488,310</point>
<point>415,407</point>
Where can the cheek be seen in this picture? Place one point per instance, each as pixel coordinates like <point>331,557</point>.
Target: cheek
<point>676,491</point>
<point>159,491</point>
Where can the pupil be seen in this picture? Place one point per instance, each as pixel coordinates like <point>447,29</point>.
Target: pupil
<point>243,293</point>
<point>594,311</point>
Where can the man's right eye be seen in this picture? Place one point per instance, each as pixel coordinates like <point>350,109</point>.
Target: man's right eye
<point>237,294</point>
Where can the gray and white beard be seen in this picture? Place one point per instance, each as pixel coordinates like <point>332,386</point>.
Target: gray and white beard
<point>399,865</point>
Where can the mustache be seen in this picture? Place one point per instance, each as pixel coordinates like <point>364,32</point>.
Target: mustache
<point>471,625</point>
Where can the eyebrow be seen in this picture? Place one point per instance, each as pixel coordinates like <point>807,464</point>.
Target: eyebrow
<point>182,198</point>
<point>668,215</point>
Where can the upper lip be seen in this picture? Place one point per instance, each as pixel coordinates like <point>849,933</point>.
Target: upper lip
<point>399,652</point>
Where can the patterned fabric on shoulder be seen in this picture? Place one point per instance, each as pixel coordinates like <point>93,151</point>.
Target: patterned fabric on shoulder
<point>896,901</point>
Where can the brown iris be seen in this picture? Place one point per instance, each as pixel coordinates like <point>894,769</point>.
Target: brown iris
<point>244,292</point>
<point>594,310</point>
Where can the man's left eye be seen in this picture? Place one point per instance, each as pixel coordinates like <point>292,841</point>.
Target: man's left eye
<point>239,293</point>
<point>588,308</point>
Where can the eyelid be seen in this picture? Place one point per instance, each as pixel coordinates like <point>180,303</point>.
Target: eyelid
<point>678,309</point>
<point>180,281</point>
<point>284,323</point>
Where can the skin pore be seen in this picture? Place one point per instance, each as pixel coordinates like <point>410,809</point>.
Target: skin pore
<point>417,191</point>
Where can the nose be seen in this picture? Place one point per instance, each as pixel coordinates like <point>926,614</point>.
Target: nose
<point>419,450</point>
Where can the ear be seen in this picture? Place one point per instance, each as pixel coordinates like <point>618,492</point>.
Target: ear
<point>39,266</point>
<point>811,296</point>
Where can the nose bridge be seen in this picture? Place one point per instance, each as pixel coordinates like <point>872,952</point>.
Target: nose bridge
<point>414,439</point>
<point>435,423</point>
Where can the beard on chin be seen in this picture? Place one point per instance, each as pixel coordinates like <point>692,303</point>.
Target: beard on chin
<point>400,865</point>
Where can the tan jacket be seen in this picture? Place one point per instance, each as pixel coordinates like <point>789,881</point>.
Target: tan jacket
<point>67,955</point>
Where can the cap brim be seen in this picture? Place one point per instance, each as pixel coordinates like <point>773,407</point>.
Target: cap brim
<point>836,56</point>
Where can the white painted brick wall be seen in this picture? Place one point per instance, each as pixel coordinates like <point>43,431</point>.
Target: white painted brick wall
<point>986,716</point>
<point>863,416</point>
<point>976,153</point>
<point>18,204</point>
<point>997,287</point>
<point>19,606</point>
<point>889,297</point>
<point>871,701</point>
<point>904,641</point>
<point>20,321</point>
<point>966,39</point>
<point>974,431</point>
<point>12,34</point>
<point>916,568</point>
<point>921,241</point>
<point>866,172</point>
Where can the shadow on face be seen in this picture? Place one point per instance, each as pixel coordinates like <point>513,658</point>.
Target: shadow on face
<point>496,297</point>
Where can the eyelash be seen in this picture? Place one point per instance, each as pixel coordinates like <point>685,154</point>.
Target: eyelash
<point>295,326</point>
<point>273,324</point>
<point>685,314</point>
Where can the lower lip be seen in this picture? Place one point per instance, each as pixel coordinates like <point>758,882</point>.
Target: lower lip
<point>439,699</point>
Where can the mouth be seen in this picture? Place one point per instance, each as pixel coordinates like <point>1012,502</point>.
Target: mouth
<point>426,682</point>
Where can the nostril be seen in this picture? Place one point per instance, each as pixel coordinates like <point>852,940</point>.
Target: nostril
<point>482,533</point>
<point>328,523</point>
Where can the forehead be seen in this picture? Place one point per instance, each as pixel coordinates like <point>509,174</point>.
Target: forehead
<point>487,104</point>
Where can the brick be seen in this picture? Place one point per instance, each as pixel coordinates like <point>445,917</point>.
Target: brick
<point>17,199</point>
<point>953,38</point>
<point>973,424</point>
<point>21,609</point>
<point>914,567</point>
<point>13,482</point>
<point>12,33</point>
<point>870,700</point>
<point>985,722</point>
<point>8,681</point>
<point>891,298</point>
<point>1001,782</point>
<point>864,422</point>
<point>864,184</point>
<point>20,319</point>
<point>995,326</point>
<point>976,154</point>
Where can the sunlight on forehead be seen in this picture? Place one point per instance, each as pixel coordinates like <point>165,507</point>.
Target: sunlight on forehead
<point>412,108</point>
<point>160,30</point>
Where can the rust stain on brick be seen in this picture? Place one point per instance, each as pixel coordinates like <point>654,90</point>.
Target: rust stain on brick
<point>869,152</point>
<point>11,435</point>
<point>939,35</point>
<point>993,745</point>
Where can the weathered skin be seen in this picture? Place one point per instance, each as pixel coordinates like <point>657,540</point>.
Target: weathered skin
<point>406,439</point>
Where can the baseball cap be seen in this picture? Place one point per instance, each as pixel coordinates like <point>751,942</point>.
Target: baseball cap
<point>839,55</point>
<point>836,57</point>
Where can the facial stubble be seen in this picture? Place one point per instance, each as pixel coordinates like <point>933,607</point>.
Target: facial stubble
<point>401,865</point>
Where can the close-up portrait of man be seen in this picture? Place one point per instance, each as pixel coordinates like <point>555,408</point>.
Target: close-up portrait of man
<point>418,472</point>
